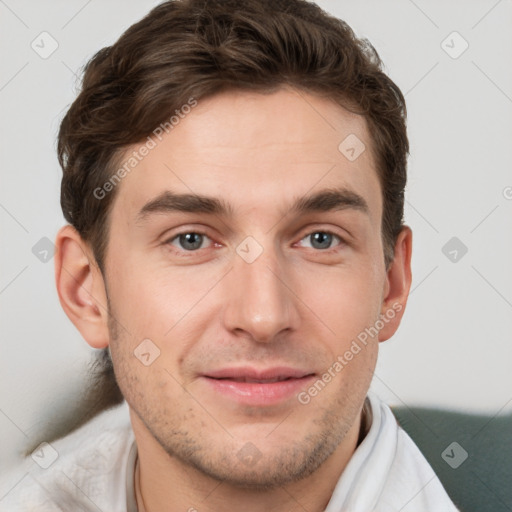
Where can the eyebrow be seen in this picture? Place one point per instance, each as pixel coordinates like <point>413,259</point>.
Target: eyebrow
<point>331,199</point>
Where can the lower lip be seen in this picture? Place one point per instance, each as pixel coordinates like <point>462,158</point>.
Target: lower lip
<point>259,394</point>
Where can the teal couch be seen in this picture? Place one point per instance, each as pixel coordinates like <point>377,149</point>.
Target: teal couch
<point>471,454</point>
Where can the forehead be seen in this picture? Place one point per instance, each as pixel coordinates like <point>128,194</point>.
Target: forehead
<point>256,151</point>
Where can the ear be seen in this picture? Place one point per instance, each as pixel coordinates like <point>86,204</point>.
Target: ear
<point>398,284</point>
<point>80,287</point>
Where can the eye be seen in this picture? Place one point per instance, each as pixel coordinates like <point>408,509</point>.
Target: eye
<point>321,240</point>
<point>189,241</point>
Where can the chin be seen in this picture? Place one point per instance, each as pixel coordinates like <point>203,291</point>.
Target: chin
<point>248,468</point>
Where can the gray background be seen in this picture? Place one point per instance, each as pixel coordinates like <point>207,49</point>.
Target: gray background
<point>454,347</point>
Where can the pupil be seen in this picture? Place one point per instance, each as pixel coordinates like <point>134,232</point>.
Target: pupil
<point>324,239</point>
<point>188,238</point>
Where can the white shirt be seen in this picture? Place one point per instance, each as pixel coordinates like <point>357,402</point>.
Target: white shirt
<point>388,473</point>
<point>95,466</point>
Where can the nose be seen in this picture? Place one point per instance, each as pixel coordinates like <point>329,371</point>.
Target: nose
<point>261,303</point>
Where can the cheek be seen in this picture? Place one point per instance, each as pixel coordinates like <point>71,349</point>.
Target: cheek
<point>151,301</point>
<point>346,300</point>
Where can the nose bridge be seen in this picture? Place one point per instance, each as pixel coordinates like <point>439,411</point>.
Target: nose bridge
<point>259,303</point>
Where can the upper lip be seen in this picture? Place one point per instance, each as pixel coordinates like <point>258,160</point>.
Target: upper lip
<point>245,372</point>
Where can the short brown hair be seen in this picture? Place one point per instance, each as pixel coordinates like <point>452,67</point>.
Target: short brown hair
<point>197,48</point>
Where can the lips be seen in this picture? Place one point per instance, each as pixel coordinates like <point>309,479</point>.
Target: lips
<point>267,374</point>
<point>259,381</point>
<point>257,387</point>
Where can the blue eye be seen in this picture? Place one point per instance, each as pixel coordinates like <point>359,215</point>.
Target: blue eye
<point>189,241</point>
<point>321,240</point>
<point>192,241</point>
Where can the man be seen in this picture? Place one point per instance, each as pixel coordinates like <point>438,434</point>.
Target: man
<point>233,181</point>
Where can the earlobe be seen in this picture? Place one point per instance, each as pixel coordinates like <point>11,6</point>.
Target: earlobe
<point>80,287</point>
<point>398,284</point>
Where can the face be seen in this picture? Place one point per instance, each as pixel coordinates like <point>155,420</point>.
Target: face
<point>251,294</point>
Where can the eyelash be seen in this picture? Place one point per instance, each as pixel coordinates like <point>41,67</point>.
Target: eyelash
<point>342,242</point>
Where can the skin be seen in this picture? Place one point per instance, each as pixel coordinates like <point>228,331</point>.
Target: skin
<point>296,305</point>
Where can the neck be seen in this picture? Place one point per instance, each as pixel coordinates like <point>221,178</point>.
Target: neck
<point>191,490</point>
